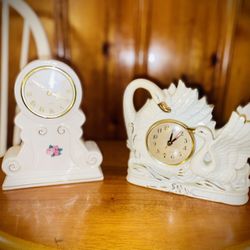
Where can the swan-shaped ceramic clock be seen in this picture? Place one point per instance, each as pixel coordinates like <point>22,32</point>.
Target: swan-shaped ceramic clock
<point>175,147</point>
<point>49,93</point>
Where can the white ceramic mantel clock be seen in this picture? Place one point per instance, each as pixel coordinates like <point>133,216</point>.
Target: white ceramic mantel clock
<point>175,147</point>
<point>49,93</point>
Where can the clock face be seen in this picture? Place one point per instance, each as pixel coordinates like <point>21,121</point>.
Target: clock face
<point>170,142</point>
<point>48,92</point>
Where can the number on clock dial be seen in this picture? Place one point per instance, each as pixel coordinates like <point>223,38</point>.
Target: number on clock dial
<point>170,142</point>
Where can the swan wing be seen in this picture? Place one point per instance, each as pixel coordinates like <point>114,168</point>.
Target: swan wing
<point>186,106</point>
<point>231,148</point>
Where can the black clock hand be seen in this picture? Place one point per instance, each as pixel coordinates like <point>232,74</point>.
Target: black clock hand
<point>174,140</point>
<point>177,137</point>
<point>170,139</point>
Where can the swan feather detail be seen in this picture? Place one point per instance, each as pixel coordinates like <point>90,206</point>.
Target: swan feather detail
<point>229,150</point>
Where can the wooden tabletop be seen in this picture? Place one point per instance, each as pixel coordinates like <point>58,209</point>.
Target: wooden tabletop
<point>113,214</point>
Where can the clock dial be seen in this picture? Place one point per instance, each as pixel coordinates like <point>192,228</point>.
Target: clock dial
<point>48,92</point>
<point>170,142</point>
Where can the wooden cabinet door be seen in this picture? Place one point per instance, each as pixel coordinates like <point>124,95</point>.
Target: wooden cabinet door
<point>111,42</point>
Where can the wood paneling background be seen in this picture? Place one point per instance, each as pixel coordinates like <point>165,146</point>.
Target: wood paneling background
<point>111,42</point>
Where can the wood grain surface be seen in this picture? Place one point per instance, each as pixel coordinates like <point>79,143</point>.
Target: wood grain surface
<point>111,42</point>
<point>113,214</point>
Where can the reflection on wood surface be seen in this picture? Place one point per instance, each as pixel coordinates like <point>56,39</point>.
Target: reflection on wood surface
<point>113,214</point>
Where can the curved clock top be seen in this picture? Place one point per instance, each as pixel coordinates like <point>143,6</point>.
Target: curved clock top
<point>48,89</point>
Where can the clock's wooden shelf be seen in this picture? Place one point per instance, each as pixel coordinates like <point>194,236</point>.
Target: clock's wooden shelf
<point>114,214</point>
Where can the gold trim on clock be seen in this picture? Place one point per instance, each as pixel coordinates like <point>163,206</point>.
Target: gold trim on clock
<point>244,116</point>
<point>24,81</point>
<point>164,107</point>
<point>190,132</point>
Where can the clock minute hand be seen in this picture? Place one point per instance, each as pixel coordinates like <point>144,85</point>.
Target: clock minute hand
<point>48,90</point>
<point>178,135</point>
<point>38,84</point>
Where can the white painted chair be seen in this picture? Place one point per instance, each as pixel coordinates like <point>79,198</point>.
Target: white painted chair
<point>32,25</point>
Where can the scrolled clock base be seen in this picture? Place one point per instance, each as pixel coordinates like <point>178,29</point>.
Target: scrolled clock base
<point>48,94</point>
<point>142,176</point>
<point>84,168</point>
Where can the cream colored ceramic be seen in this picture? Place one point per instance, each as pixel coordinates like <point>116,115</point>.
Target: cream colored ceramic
<point>175,147</point>
<point>49,93</point>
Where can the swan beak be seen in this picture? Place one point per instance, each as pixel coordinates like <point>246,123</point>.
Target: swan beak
<point>164,107</point>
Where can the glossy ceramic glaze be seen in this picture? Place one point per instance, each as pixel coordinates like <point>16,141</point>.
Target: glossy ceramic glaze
<point>114,214</point>
<point>216,169</point>
<point>52,151</point>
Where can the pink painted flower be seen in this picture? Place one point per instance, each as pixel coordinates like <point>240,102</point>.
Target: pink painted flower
<point>54,150</point>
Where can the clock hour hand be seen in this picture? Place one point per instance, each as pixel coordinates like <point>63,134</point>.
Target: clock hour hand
<point>58,96</point>
<point>178,135</point>
<point>170,139</point>
<point>49,92</point>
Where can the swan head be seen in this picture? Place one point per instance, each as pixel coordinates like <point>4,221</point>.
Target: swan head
<point>204,132</point>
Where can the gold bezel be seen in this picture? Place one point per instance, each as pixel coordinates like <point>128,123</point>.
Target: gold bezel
<point>180,124</point>
<point>27,76</point>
